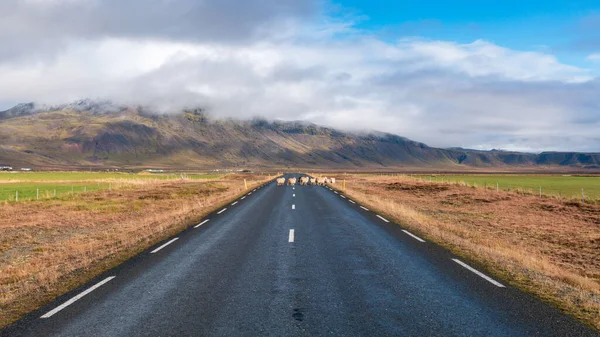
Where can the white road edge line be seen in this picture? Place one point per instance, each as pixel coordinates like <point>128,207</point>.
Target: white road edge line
<point>293,206</point>
<point>202,223</point>
<point>414,236</point>
<point>482,275</point>
<point>74,299</point>
<point>366,209</point>
<point>382,218</point>
<point>351,201</point>
<point>291,237</point>
<point>163,246</point>
<point>221,211</point>
<point>234,203</point>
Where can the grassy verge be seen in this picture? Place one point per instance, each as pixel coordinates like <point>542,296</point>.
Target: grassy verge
<point>50,246</point>
<point>545,246</point>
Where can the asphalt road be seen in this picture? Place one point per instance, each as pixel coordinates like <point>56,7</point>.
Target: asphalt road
<point>343,271</point>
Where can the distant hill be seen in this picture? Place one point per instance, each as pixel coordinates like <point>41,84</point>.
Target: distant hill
<point>104,134</point>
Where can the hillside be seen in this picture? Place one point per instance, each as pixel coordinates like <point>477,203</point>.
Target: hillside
<point>103,134</point>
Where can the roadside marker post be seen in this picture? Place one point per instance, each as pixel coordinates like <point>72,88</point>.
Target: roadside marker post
<point>245,184</point>
<point>17,196</point>
<point>37,194</point>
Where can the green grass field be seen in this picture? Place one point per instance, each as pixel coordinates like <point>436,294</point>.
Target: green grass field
<point>565,186</point>
<point>45,185</point>
<point>93,176</point>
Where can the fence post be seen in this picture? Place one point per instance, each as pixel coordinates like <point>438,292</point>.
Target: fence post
<point>55,192</point>
<point>85,188</point>
<point>582,196</point>
<point>17,196</point>
<point>496,187</point>
<point>540,192</point>
<point>37,194</point>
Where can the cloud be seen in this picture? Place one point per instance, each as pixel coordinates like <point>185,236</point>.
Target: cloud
<point>594,57</point>
<point>45,26</point>
<point>305,66</point>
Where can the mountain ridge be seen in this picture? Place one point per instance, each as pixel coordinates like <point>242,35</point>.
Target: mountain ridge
<point>101,133</point>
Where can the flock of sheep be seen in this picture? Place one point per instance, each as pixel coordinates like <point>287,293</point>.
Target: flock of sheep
<point>305,181</point>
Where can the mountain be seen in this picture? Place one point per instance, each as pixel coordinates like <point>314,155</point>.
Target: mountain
<point>100,133</point>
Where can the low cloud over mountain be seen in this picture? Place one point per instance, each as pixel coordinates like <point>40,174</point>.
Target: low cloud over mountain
<point>100,133</point>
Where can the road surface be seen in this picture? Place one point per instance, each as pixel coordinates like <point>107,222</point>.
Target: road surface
<point>296,261</point>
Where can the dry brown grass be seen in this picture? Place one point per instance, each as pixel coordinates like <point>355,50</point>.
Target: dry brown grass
<point>49,247</point>
<point>545,246</point>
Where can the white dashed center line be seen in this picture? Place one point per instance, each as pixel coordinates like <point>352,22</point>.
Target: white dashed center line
<point>293,206</point>
<point>234,203</point>
<point>293,195</point>
<point>351,201</point>
<point>366,209</point>
<point>414,236</point>
<point>163,246</point>
<point>71,301</point>
<point>382,218</point>
<point>291,237</point>
<point>482,275</point>
<point>202,223</point>
<point>244,197</point>
<point>343,196</point>
<point>335,192</point>
<point>221,211</point>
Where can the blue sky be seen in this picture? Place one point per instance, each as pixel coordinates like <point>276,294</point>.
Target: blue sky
<point>559,27</point>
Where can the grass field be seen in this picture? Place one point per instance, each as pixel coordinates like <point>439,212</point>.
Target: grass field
<point>44,185</point>
<point>555,185</point>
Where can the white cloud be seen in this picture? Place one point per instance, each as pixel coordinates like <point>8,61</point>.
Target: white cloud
<point>594,57</point>
<point>443,93</point>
